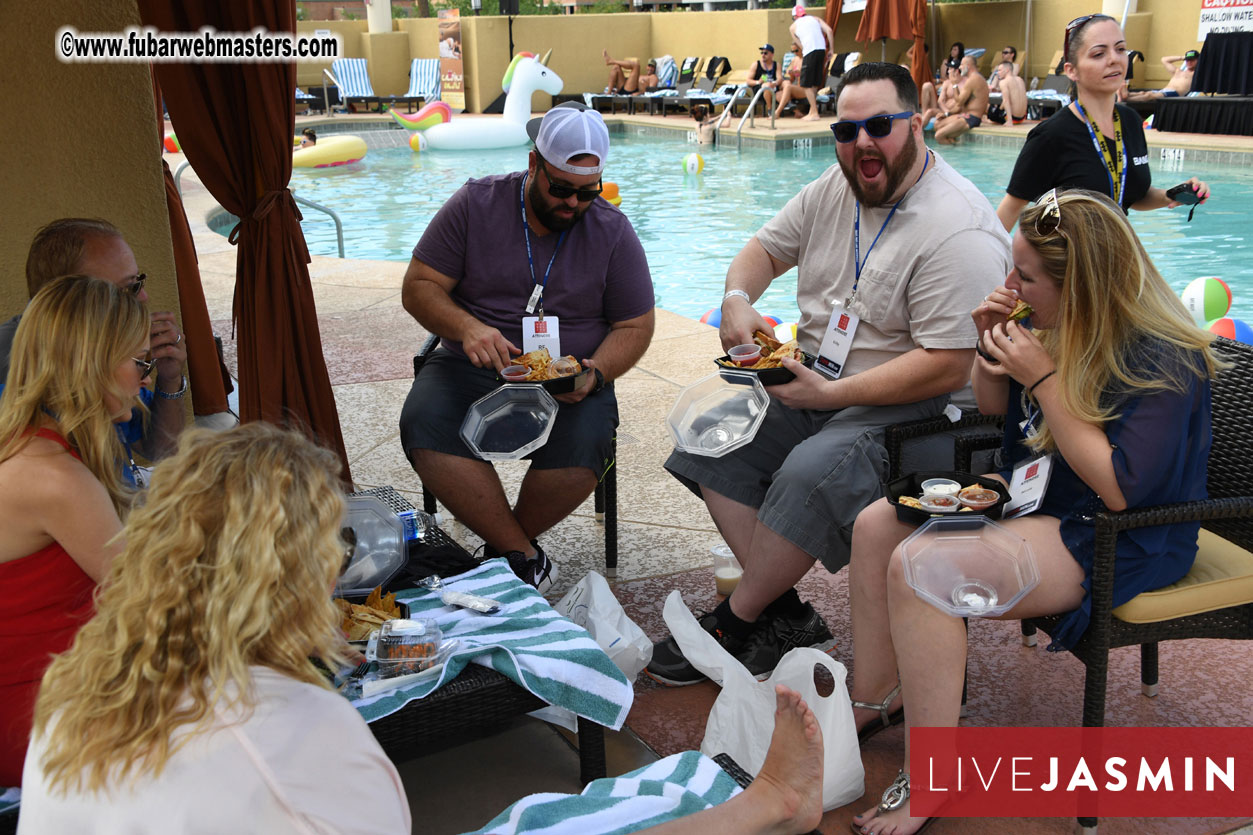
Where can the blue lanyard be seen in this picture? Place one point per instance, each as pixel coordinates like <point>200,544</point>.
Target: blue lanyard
<point>858,262</point>
<point>526,235</point>
<point>1121,149</point>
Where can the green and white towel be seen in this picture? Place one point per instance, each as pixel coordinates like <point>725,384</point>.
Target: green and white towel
<point>671,788</point>
<point>526,640</point>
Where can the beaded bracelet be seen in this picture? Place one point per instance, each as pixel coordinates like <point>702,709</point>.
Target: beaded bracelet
<point>174,395</point>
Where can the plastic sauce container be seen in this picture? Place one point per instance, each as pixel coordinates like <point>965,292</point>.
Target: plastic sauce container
<point>940,486</point>
<point>747,354</point>
<point>937,503</point>
<point>978,498</point>
<point>515,373</point>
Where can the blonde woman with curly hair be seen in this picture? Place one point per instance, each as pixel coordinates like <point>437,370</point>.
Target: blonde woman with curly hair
<point>190,703</point>
<point>78,364</point>
<point>1112,381</point>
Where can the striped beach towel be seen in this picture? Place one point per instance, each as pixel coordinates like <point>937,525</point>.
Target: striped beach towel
<point>526,640</point>
<point>671,788</point>
<point>10,798</point>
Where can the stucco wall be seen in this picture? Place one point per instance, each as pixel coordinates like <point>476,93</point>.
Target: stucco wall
<point>388,54</point>
<point>352,34</point>
<point>107,165</point>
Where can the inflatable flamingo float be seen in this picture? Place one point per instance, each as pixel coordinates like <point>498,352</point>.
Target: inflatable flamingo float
<point>526,74</point>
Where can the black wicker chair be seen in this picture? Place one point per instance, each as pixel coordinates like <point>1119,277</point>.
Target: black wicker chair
<point>605,497</point>
<point>967,434</point>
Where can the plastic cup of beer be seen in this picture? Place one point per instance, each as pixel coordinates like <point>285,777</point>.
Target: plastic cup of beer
<point>727,571</point>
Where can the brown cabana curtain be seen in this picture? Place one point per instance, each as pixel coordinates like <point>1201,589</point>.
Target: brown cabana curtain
<point>204,368</point>
<point>919,66</point>
<point>886,19</point>
<point>235,126</point>
<point>833,16</point>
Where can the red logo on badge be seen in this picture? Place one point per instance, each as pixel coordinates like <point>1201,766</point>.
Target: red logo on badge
<point>1031,471</point>
<point>541,327</point>
<point>843,325</point>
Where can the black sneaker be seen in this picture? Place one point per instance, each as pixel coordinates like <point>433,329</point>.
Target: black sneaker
<point>537,571</point>
<point>669,667</point>
<point>764,649</point>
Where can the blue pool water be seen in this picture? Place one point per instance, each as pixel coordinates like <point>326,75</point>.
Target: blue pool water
<point>692,227</point>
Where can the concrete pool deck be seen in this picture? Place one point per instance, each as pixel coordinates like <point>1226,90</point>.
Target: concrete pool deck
<point>369,340</point>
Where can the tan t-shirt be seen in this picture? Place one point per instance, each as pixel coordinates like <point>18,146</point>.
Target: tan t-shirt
<point>942,252</point>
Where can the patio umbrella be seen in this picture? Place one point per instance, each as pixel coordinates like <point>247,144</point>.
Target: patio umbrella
<point>235,124</point>
<point>885,19</point>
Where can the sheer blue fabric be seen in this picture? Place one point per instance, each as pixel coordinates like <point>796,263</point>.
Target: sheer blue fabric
<point>1161,446</point>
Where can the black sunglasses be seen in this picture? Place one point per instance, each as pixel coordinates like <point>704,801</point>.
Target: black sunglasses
<point>584,195</point>
<point>145,367</point>
<point>876,126</point>
<point>1074,26</point>
<point>137,285</point>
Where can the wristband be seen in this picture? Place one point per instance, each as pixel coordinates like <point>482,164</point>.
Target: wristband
<point>740,293</point>
<point>1034,385</point>
<point>600,380</point>
<point>176,395</point>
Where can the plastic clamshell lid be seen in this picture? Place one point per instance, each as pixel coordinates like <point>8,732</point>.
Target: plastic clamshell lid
<point>509,422</point>
<point>379,551</point>
<point>718,413</point>
<point>969,565</point>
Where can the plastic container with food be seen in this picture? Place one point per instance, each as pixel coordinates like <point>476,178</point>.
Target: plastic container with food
<point>515,373</point>
<point>939,503</point>
<point>978,497</point>
<point>746,354</point>
<point>407,646</point>
<point>969,566</point>
<point>940,486</point>
<point>905,493</point>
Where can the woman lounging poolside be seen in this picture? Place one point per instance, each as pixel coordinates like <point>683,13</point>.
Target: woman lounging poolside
<point>1113,384</point>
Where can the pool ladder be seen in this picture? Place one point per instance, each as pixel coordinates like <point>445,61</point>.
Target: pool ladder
<point>747,117</point>
<point>339,224</point>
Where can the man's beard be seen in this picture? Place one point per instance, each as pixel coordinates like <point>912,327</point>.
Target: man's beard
<point>895,171</point>
<point>547,216</point>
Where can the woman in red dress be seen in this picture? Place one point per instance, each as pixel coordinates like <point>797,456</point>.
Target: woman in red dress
<point>79,359</point>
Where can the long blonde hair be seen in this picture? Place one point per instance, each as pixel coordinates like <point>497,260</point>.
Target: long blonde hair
<point>1115,311</point>
<point>229,562</point>
<point>73,335</point>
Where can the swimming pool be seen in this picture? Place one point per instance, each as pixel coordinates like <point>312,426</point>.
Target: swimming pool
<point>692,227</point>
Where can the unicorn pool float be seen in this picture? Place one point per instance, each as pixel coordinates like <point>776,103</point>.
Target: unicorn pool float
<point>526,75</point>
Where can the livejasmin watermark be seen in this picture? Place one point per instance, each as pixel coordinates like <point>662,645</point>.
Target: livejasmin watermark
<point>147,44</point>
<point>1081,772</point>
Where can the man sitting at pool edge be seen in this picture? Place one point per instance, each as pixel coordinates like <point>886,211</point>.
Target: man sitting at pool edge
<point>503,254</point>
<point>893,248</point>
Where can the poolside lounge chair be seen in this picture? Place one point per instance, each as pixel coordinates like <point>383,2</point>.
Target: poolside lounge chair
<point>1052,96</point>
<point>840,64</point>
<point>353,75</point>
<point>424,82</point>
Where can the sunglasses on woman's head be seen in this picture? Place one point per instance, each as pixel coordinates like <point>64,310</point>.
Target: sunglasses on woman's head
<point>1073,27</point>
<point>1047,221</point>
<point>137,284</point>
<point>876,126</point>
<point>145,367</point>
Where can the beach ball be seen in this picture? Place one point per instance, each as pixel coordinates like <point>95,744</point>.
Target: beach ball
<point>1232,329</point>
<point>785,331</point>
<point>171,144</point>
<point>712,317</point>
<point>693,164</point>
<point>609,191</point>
<point>772,319</point>
<point>1207,298</point>
<point>417,142</point>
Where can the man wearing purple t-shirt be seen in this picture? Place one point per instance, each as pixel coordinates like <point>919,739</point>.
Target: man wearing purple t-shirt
<point>505,251</point>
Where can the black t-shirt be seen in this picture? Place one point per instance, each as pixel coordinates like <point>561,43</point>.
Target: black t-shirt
<point>770,74</point>
<point>1059,153</point>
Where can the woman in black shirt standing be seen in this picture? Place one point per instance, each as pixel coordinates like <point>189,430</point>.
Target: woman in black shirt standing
<point>1094,143</point>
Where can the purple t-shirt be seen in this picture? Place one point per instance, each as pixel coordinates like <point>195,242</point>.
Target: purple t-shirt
<point>600,274</point>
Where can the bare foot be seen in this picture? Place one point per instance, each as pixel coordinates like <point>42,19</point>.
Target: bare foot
<point>608,60</point>
<point>896,822</point>
<point>812,117</point>
<point>790,781</point>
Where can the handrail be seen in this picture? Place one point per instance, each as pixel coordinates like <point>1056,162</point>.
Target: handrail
<point>326,99</point>
<point>339,224</point>
<point>726,111</point>
<point>748,117</point>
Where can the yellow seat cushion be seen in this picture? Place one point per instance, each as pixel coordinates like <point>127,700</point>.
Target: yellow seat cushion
<point>1221,577</point>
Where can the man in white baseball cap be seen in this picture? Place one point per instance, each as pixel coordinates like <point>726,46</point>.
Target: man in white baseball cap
<point>512,263</point>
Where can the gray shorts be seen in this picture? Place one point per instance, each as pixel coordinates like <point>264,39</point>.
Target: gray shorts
<point>808,473</point>
<point>448,385</point>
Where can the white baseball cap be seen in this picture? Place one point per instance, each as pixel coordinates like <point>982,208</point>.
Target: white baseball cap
<point>570,130</point>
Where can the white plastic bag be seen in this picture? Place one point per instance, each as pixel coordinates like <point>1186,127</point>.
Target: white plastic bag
<point>592,605</point>
<point>742,718</point>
